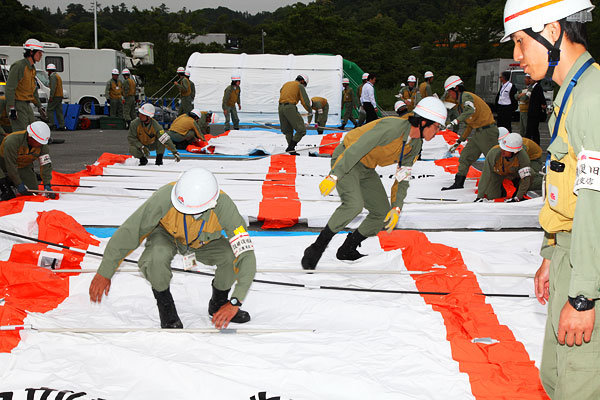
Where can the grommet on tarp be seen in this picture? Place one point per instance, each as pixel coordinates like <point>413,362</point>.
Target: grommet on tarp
<point>485,340</point>
<point>50,260</point>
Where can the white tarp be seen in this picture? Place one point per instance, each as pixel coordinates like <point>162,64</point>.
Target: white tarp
<point>262,77</point>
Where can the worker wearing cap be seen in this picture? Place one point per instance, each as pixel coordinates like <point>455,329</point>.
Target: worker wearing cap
<point>523,97</point>
<point>509,160</point>
<point>476,114</point>
<point>386,141</point>
<point>114,94</point>
<point>425,87</point>
<point>195,219</point>
<point>409,93</point>
<point>145,134</point>
<point>321,108</point>
<point>55,99</point>
<point>231,97</point>
<point>185,91</point>
<point>18,151</point>
<point>362,115</point>
<point>550,41</point>
<point>21,87</point>
<point>5,127</point>
<point>349,103</point>
<point>129,95</point>
<point>290,119</point>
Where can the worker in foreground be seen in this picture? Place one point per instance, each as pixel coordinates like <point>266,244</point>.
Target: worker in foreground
<point>187,217</point>
<point>476,114</point>
<point>321,108</point>
<point>18,151</point>
<point>290,119</point>
<point>550,41</point>
<point>146,134</point>
<point>386,141</point>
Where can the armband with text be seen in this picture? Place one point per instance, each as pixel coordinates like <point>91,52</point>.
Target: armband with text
<point>45,159</point>
<point>588,171</point>
<point>525,172</point>
<point>240,242</point>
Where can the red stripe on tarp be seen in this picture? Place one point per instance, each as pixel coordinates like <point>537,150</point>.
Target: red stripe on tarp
<point>199,145</point>
<point>280,206</point>
<point>451,165</point>
<point>330,138</point>
<point>499,371</point>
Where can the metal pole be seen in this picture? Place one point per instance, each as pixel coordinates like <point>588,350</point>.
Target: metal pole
<point>262,38</point>
<point>95,26</point>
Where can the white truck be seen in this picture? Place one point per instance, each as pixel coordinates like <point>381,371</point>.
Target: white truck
<point>84,71</point>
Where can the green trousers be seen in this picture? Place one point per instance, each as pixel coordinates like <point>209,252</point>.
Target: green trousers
<point>138,153</point>
<point>24,116</point>
<point>523,123</point>
<point>5,129</point>
<point>27,175</point>
<point>178,137</point>
<point>568,373</point>
<point>186,105</point>
<point>321,119</point>
<point>55,106</point>
<point>480,142</point>
<point>116,107</point>
<point>348,109</point>
<point>155,261</point>
<point>290,121</point>
<point>232,115</point>
<point>129,109</point>
<point>360,188</point>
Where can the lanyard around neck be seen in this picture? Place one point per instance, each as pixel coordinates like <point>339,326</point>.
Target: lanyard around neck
<point>187,243</point>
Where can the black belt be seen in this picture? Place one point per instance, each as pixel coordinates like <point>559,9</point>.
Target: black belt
<point>282,104</point>
<point>487,126</point>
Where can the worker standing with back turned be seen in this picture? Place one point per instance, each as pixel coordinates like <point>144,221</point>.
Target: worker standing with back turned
<point>290,119</point>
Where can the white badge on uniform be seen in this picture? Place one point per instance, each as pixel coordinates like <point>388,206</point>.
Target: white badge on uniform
<point>588,171</point>
<point>45,159</point>
<point>189,261</point>
<point>163,138</point>
<point>403,173</point>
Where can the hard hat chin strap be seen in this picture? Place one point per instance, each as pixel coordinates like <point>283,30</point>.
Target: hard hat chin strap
<point>553,50</point>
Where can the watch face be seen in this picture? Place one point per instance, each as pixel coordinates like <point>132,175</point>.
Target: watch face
<point>235,302</point>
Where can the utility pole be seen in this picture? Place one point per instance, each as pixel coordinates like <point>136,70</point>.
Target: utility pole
<point>95,26</point>
<point>262,36</point>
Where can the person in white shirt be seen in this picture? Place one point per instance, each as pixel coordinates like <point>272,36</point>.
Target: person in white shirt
<point>506,104</point>
<point>367,98</point>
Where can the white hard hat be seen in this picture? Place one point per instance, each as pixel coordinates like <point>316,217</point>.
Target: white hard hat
<point>428,74</point>
<point>115,72</point>
<point>51,67</point>
<point>433,109</point>
<point>365,76</point>
<point>125,72</point>
<point>236,77</point>
<point>412,78</point>
<point>33,44</point>
<point>399,104</point>
<point>214,118</point>
<point>187,73</point>
<point>147,109</point>
<point>305,77</point>
<point>403,85</point>
<point>39,131</point>
<point>196,191</point>
<point>180,70</point>
<point>452,82</point>
<point>535,14</point>
<point>196,112</point>
<point>502,133</point>
<point>512,142</point>
<point>345,80</point>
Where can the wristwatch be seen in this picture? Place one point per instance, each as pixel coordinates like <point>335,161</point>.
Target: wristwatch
<point>235,302</point>
<point>581,303</point>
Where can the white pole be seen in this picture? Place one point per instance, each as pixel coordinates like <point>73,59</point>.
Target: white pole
<point>95,26</point>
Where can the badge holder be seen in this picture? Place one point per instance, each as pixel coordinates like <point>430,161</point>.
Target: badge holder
<point>189,261</point>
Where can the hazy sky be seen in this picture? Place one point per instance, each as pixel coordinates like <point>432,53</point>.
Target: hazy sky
<point>252,6</point>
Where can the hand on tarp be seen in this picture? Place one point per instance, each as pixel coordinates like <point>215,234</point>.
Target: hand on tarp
<point>222,317</point>
<point>48,188</point>
<point>327,185</point>
<point>23,189</point>
<point>177,156</point>
<point>392,216</point>
<point>512,200</point>
<point>100,286</point>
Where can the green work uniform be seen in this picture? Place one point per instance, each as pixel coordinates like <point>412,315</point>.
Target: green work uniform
<point>55,101</point>
<point>231,97</point>
<point>114,93</point>
<point>349,103</point>
<point>16,161</point>
<point>5,127</point>
<point>21,90</point>
<point>523,108</point>
<point>163,227</point>
<point>321,108</point>
<point>476,114</point>
<point>186,129</point>
<point>362,114</point>
<point>290,119</point>
<point>150,135</point>
<point>496,169</point>
<point>129,113</point>
<point>409,96</point>
<point>534,151</point>
<point>572,243</point>
<point>378,143</point>
<point>424,91</point>
<point>185,90</point>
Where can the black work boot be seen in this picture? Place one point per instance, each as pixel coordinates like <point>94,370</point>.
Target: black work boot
<point>6,192</point>
<point>166,310</point>
<point>313,253</point>
<point>459,182</point>
<point>218,299</point>
<point>143,161</point>
<point>347,250</point>
<point>291,148</point>
<point>343,126</point>
<point>159,159</point>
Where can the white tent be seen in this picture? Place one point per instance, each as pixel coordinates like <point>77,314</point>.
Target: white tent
<point>262,76</point>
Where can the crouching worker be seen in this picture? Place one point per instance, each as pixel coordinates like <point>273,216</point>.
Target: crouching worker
<point>186,217</point>
<point>17,153</point>
<point>510,161</point>
<point>146,134</point>
<point>386,141</point>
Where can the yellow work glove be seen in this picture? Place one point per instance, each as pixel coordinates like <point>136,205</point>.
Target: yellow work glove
<point>392,216</point>
<point>327,185</point>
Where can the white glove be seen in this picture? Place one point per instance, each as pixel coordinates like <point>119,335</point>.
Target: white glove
<point>402,173</point>
<point>453,148</point>
<point>177,156</point>
<point>452,124</point>
<point>482,200</point>
<point>512,200</point>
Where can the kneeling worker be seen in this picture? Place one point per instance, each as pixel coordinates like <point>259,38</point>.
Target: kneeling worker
<point>187,128</point>
<point>186,217</point>
<point>385,141</point>
<point>17,153</point>
<point>146,134</point>
<point>321,107</point>
<point>509,160</point>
